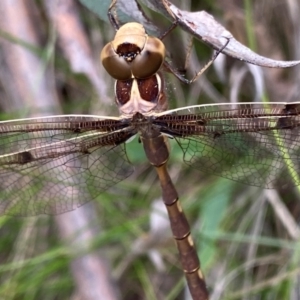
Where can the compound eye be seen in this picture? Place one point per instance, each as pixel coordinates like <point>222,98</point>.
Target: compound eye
<point>114,64</point>
<point>150,59</point>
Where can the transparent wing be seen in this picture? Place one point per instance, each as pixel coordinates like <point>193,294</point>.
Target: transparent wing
<point>51,171</point>
<point>255,144</point>
<point>253,159</point>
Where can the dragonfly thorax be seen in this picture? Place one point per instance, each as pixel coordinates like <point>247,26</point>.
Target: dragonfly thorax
<point>145,96</point>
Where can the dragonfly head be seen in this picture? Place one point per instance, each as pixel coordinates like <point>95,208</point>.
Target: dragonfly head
<point>133,53</point>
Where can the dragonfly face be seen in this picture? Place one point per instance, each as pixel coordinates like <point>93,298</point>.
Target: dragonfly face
<point>132,53</point>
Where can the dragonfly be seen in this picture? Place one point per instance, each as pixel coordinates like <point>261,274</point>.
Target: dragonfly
<point>54,164</point>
